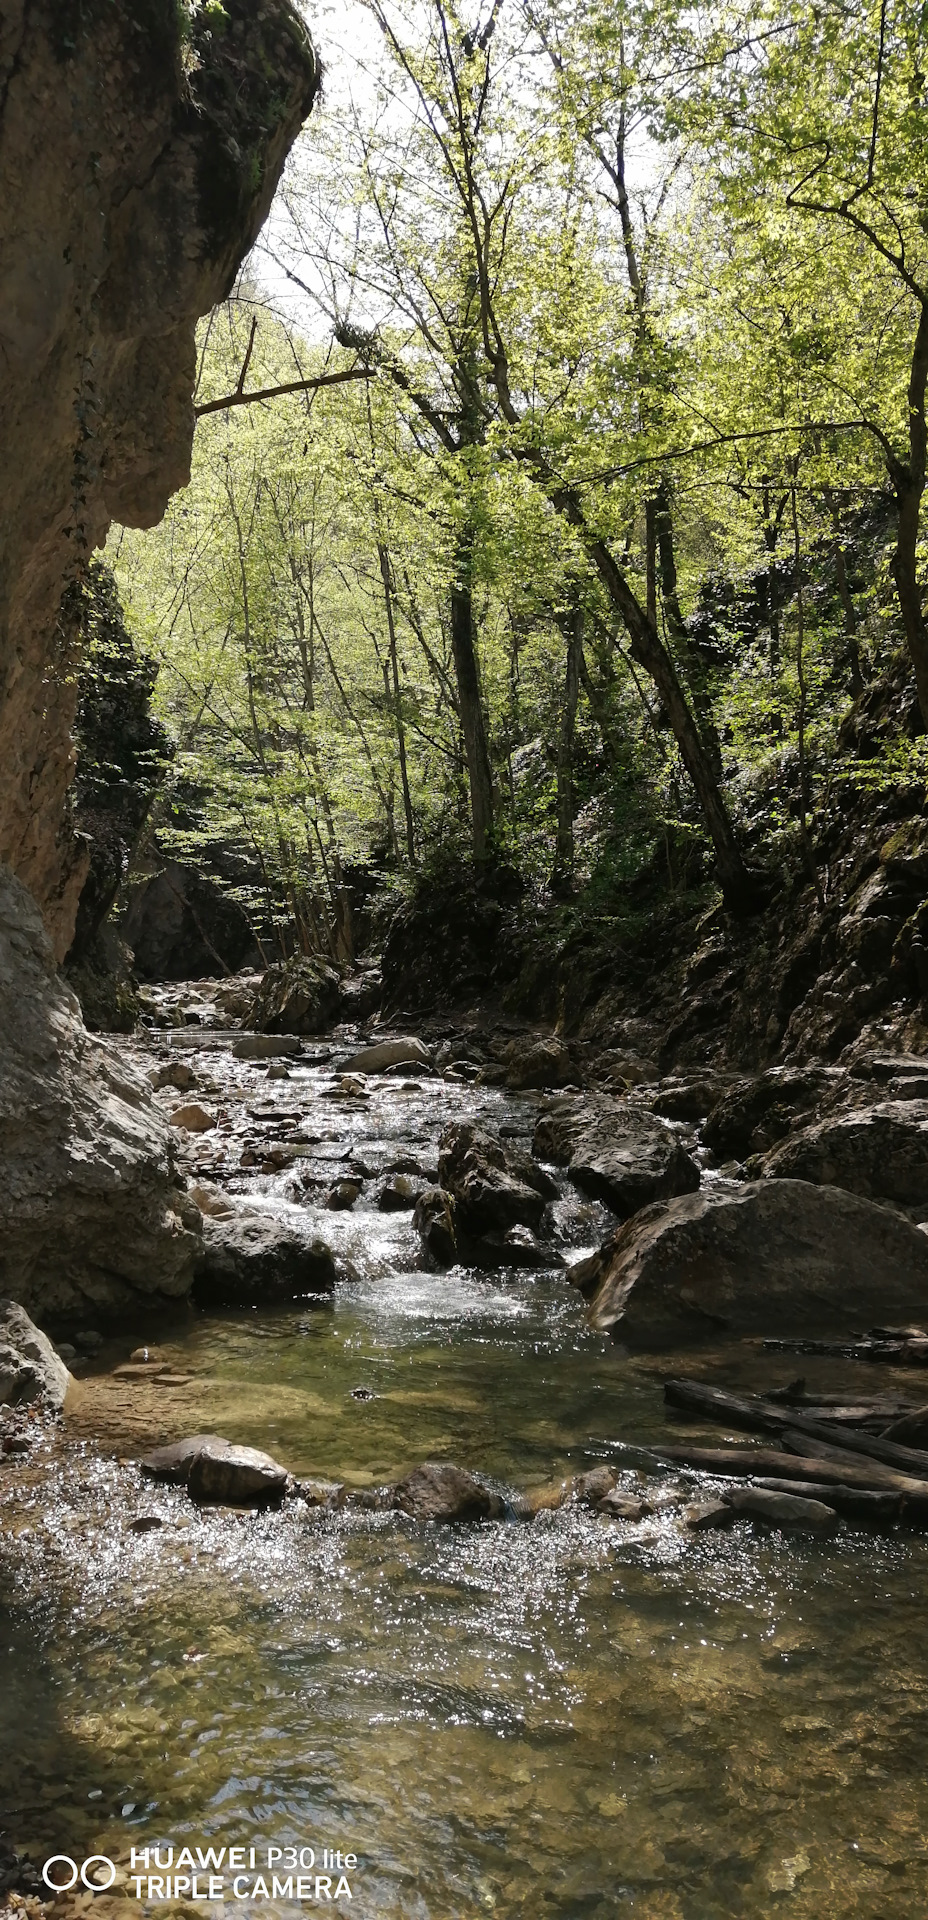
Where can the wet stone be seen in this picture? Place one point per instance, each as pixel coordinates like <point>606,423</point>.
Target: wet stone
<point>343,1195</point>
<point>781,1509</point>
<point>440,1491</point>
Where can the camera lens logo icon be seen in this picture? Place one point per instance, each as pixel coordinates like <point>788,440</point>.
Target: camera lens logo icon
<point>61,1873</point>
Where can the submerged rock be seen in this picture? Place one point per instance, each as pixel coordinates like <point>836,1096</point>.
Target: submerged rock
<point>254,1259</point>
<point>30,1369</point>
<point>619,1153</point>
<point>770,1257</point>
<point>439,1491</point>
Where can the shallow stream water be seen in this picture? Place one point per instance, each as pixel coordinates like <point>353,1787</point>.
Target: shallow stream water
<point>571,1717</point>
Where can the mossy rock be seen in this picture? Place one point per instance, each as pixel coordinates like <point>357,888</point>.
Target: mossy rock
<point>905,853</point>
<point>299,996</point>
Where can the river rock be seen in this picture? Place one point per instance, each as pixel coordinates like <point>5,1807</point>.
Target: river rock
<point>298,996</point>
<point>433,1218</point>
<point>538,1063</point>
<point>214,1469</point>
<point>782,1509</point>
<point>751,1116</point>
<point>588,1489</point>
<point>193,1119</point>
<point>173,1462</point>
<point>91,1215</point>
<point>494,1187</point>
<point>30,1368</point>
<point>517,1247</point>
<point>235,1475</point>
<point>439,1491</point>
<point>704,1516</point>
<point>621,1153</point>
<point>880,1152</point>
<point>213,1202</point>
<point>398,1194</point>
<point>388,1053</point>
<point>341,1197</point>
<point>175,1074</point>
<point>770,1257</point>
<point>257,1258</point>
<point>623,1506</point>
<point>265,1046</point>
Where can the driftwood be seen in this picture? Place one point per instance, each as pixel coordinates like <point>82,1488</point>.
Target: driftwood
<point>764,1416</point>
<point>736,1462</point>
<point>853,1503</point>
<point>771,1412</point>
<point>893,1352</point>
<point>871,1446</point>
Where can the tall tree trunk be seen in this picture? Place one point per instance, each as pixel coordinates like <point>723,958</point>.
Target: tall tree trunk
<point>387,578</point>
<point>467,677</point>
<point>648,650</point>
<point>908,480</point>
<point>571,625</point>
<point>676,625</point>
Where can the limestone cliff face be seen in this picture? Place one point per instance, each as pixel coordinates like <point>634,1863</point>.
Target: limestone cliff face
<point>91,1221</point>
<point>140,145</point>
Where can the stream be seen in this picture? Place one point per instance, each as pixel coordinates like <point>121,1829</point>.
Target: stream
<point>576,1716</point>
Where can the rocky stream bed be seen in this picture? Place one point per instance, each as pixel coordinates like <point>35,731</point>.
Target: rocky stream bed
<point>575,1699</point>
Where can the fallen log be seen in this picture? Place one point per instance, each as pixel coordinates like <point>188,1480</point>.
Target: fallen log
<point>734,1409</point>
<point>853,1503</point>
<point>893,1353</point>
<point>736,1462</point>
<point>807,1436</point>
<point>764,1416</point>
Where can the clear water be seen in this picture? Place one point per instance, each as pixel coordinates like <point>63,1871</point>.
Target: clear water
<point>576,1717</point>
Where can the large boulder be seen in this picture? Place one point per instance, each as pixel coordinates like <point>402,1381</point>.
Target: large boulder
<point>92,1217</point>
<point>618,1152</point>
<point>770,1257</point>
<point>298,996</point>
<point>140,146</point>
<point>493,1187</point>
<point>30,1369</point>
<point>880,1152</point>
<point>251,1258</point>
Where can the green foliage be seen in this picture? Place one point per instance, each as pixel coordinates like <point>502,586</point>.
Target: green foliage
<point>665,261</point>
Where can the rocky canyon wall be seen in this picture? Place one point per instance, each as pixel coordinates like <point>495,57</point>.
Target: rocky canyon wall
<point>140,145</point>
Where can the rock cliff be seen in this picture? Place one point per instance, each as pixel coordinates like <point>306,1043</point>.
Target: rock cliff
<point>91,1217</point>
<point>140,145</point>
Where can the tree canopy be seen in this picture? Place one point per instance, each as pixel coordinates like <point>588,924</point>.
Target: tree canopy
<point>563,508</point>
